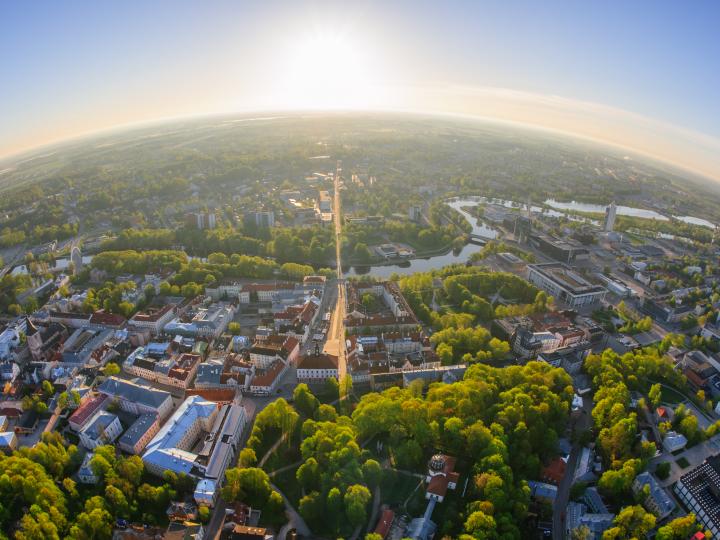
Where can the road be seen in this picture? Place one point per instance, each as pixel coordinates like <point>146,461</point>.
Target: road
<point>335,343</point>
<point>253,405</point>
<point>295,520</point>
<point>563,492</point>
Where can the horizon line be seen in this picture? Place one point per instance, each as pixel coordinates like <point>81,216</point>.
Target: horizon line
<point>28,153</point>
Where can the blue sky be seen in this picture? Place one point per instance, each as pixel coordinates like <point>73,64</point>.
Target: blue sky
<point>74,67</point>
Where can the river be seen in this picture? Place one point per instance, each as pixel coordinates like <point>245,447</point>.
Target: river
<point>479,228</point>
<point>626,211</point>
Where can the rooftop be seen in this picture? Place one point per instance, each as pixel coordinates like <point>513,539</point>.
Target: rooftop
<point>132,391</point>
<point>565,277</point>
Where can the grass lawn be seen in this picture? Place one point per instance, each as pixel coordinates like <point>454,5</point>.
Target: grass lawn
<point>396,487</point>
<point>668,395</point>
<point>683,463</point>
<point>671,396</point>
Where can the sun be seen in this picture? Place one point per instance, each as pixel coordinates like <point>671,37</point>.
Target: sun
<point>326,70</point>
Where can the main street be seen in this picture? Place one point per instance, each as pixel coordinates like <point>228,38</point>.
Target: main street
<point>578,425</point>
<point>335,343</point>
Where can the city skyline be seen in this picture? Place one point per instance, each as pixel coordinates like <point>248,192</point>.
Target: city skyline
<point>638,77</point>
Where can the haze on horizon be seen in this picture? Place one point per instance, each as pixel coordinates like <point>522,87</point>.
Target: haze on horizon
<point>642,76</point>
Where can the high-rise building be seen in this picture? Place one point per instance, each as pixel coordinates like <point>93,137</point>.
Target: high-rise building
<point>260,218</point>
<point>201,220</point>
<point>415,212</point>
<point>76,259</point>
<point>610,214</point>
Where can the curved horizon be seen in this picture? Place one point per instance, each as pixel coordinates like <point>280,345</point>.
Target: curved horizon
<point>566,111</point>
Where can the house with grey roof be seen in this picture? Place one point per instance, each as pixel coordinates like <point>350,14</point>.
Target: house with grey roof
<point>103,428</point>
<point>137,398</point>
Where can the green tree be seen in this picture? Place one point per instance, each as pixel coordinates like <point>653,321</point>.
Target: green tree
<point>305,401</point>
<point>311,507</point>
<point>234,328</point>
<point>663,470</point>
<point>582,532</point>
<point>655,395</point>
<point>356,499</point>
<point>48,389</point>
<point>632,522</point>
<point>372,472</point>
<point>247,457</point>
<point>331,389</point>
<point>94,523</point>
<point>250,485</point>
<point>110,369</point>
<point>678,529</point>
<point>204,514</point>
<point>308,475</point>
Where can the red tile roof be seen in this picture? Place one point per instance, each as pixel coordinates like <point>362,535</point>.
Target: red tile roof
<point>152,315</point>
<point>219,395</point>
<point>554,471</point>
<point>107,319</point>
<point>267,378</point>
<point>87,409</point>
<point>438,485</point>
<point>385,522</point>
<point>256,287</point>
<point>321,361</point>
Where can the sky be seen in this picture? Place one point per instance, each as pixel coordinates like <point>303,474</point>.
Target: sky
<point>643,75</point>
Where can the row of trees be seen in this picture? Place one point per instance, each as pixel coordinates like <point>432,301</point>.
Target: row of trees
<point>198,272</point>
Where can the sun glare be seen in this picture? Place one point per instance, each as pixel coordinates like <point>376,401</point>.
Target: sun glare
<point>328,70</point>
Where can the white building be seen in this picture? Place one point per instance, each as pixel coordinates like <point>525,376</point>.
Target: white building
<point>265,383</point>
<point>674,441</point>
<point>10,338</point>
<point>565,285</point>
<point>317,367</point>
<point>273,348</point>
<point>102,428</point>
<point>208,322</point>
<point>85,474</point>
<point>8,441</point>
<point>610,215</point>
<point>153,320</point>
<point>658,501</point>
